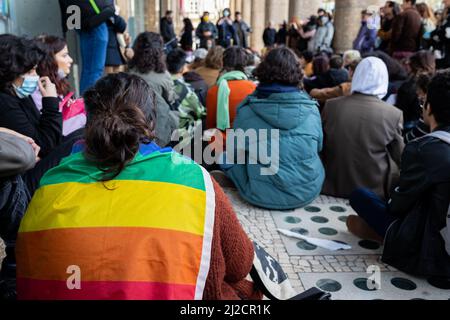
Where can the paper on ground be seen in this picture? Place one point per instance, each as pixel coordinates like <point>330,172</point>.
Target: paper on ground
<point>322,243</point>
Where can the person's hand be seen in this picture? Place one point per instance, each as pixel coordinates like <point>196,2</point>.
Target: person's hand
<point>33,144</point>
<point>207,33</point>
<point>127,37</point>
<point>47,88</point>
<point>129,53</point>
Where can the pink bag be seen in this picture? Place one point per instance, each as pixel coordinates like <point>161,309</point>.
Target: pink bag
<point>74,114</point>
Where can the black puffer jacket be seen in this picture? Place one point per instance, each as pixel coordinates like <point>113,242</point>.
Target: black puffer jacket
<point>89,17</point>
<point>413,243</point>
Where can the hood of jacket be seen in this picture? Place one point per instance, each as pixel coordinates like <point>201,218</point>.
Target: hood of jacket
<point>371,78</point>
<point>279,105</point>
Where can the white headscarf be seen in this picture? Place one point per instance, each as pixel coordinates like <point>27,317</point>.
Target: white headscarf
<point>371,77</point>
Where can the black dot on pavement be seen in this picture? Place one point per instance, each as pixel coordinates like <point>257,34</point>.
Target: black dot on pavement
<point>301,231</point>
<point>318,219</point>
<point>404,284</point>
<point>329,285</point>
<point>293,220</point>
<point>361,283</point>
<point>312,209</point>
<point>343,219</point>
<point>338,209</point>
<point>370,245</point>
<point>302,244</point>
<point>328,231</point>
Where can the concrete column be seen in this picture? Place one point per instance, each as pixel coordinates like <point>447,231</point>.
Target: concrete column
<point>165,5</point>
<point>238,5</point>
<point>258,23</point>
<point>247,11</point>
<point>232,7</point>
<point>277,11</point>
<point>152,18</point>
<point>303,9</point>
<point>347,21</point>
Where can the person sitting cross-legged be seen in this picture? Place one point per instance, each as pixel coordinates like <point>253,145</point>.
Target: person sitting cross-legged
<point>411,222</point>
<point>140,222</point>
<point>286,122</point>
<point>363,135</point>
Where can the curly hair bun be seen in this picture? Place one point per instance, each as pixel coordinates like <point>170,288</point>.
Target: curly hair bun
<point>117,121</point>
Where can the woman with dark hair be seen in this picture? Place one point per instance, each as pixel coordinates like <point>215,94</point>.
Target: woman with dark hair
<point>422,62</point>
<point>231,89</point>
<point>57,65</point>
<point>279,105</point>
<point>149,63</point>
<point>19,79</point>
<point>121,226</point>
<point>187,36</point>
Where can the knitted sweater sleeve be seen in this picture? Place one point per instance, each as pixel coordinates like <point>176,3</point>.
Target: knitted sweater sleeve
<point>232,256</point>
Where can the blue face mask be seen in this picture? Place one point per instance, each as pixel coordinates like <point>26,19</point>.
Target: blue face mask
<point>28,87</point>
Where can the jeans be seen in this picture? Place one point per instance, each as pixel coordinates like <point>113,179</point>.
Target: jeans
<point>93,45</point>
<point>372,210</point>
<point>14,199</point>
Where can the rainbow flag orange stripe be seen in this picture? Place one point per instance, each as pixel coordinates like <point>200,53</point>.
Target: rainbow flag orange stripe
<point>145,235</point>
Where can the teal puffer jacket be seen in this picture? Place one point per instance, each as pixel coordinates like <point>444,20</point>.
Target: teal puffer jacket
<point>298,178</point>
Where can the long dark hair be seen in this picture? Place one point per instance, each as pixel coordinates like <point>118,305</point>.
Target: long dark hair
<point>148,53</point>
<point>48,67</point>
<point>117,122</point>
<point>188,26</point>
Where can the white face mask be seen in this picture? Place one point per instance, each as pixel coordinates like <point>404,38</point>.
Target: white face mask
<point>61,74</point>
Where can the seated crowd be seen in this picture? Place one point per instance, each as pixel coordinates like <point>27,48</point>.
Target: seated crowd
<point>94,181</point>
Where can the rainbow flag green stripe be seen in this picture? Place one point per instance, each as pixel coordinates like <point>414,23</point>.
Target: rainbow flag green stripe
<point>76,169</point>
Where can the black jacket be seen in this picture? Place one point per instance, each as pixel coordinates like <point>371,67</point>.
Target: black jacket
<point>413,243</point>
<point>205,27</point>
<point>167,30</point>
<point>113,55</point>
<point>282,36</point>
<point>21,115</point>
<point>441,41</point>
<point>269,37</point>
<point>89,18</point>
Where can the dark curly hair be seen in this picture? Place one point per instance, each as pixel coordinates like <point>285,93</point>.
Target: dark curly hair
<point>48,66</point>
<point>281,65</point>
<point>148,53</point>
<point>117,122</point>
<point>234,59</point>
<point>17,57</point>
<point>439,95</point>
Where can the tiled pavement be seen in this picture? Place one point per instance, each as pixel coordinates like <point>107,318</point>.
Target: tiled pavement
<point>305,271</point>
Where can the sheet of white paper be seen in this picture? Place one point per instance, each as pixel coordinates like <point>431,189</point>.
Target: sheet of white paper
<point>322,243</point>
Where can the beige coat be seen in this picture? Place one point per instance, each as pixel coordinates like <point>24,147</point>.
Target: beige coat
<point>363,145</point>
<point>209,75</point>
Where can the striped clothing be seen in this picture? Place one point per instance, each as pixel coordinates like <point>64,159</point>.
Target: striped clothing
<point>145,235</point>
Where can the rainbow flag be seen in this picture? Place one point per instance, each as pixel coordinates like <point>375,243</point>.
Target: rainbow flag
<point>145,235</point>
